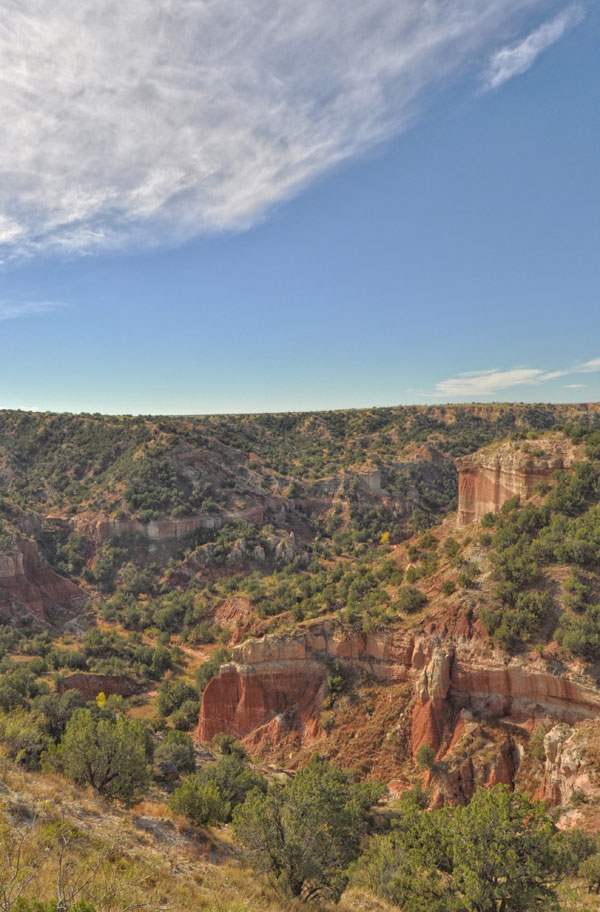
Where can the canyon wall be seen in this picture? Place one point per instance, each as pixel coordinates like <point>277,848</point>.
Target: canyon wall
<point>277,685</point>
<point>493,475</point>
<point>268,509</point>
<point>27,584</point>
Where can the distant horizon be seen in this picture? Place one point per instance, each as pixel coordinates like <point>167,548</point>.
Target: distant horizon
<point>317,411</point>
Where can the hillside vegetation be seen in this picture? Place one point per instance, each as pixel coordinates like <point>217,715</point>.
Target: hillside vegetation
<point>137,552</point>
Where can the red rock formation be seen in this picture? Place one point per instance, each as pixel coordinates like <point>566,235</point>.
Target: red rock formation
<point>26,581</point>
<point>429,712</point>
<point>491,476</point>
<point>90,685</point>
<point>282,679</point>
<point>242,703</point>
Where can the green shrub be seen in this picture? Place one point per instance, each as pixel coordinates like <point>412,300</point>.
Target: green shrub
<point>176,748</point>
<point>303,835</point>
<point>234,778</point>
<point>410,599</point>
<point>108,754</point>
<point>425,756</point>
<point>200,802</point>
<point>186,716</point>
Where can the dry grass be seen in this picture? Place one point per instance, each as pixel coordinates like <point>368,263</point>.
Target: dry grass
<point>145,856</point>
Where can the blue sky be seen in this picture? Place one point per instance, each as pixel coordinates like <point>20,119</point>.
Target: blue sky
<point>318,208</point>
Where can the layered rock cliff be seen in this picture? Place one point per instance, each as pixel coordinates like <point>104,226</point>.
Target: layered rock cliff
<point>28,585</point>
<point>457,691</point>
<point>495,474</point>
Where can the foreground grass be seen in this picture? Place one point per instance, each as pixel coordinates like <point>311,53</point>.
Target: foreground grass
<point>146,858</point>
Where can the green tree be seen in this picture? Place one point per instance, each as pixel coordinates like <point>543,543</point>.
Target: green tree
<point>589,871</point>
<point>410,599</point>
<point>227,744</point>
<point>200,802</point>
<point>108,754</point>
<point>506,857</point>
<point>177,748</point>
<point>425,756</point>
<point>411,866</point>
<point>233,778</point>
<point>304,834</point>
<point>55,711</point>
<point>501,853</point>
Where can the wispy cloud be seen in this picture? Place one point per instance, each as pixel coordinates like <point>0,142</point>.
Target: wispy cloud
<point>12,310</point>
<point>574,386</point>
<point>488,382</point>
<point>515,59</point>
<point>152,121</point>
<point>588,366</point>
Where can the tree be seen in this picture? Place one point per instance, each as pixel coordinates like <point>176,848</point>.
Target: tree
<point>589,867</point>
<point>200,802</point>
<point>55,711</point>
<point>227,744</point>
<point>506,857</point>
<point>425,756</point>
<point>233,778</point>
<point>410,867</point>
<point>304,834</point>
<point>501,853</point>
<point>176,748</point>
<point>410,599</point>
<point>108,754</point>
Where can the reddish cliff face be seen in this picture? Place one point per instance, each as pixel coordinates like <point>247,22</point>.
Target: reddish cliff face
<point>26,583</point>
<point>490,477</point>
<point>90,685</point>
<point>261,706</point>
<point>458,695</point>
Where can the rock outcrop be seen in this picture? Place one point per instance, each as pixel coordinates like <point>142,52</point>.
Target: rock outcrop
<point>263,510</point>
<point>90,685</point>
<point>275,686</point>
<point>495,474</point>
<point>571,768</point>
<point>28,585</point>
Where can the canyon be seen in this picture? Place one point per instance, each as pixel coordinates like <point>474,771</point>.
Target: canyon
<point>272,694</point>
<point>451,688</point>
<point>429,678</point>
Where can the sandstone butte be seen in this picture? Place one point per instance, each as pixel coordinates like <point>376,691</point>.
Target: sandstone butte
<point>441,682</point>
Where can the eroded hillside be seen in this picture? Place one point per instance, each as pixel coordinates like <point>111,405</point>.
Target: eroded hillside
<point>380,586</point>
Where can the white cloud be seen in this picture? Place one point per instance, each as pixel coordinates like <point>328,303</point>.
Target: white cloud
<point>515,59</point>
<point>149,121</point>
<point>574,386</point>
<point>11,310</point>
<point>587,366</point>
<point>553,375</point>
<point>488,382</point>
